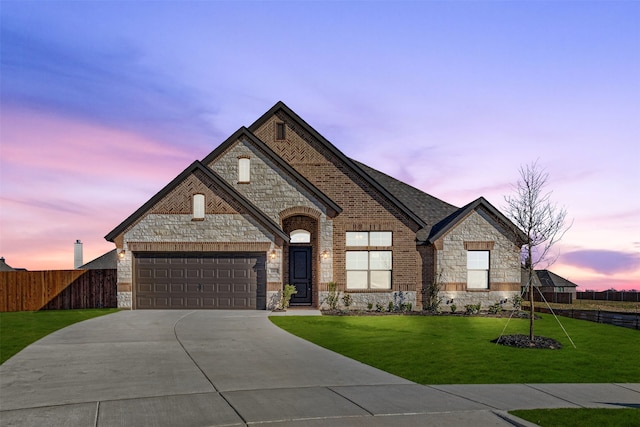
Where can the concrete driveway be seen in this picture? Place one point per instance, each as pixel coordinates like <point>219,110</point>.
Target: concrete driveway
<point>225,368</point>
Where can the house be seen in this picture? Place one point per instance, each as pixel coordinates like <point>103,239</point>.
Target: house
<point>106,261</point>
<point>4,266</point>
<point>277,203</point>
<point>550,283</point>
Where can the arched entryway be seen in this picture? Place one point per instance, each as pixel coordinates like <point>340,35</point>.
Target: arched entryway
<point>300,259</point>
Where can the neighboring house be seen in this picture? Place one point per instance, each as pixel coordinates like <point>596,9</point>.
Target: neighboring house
<point>107,261</point>
<point>548,281</point>
<point>4,266</point>
<point>277,203</point>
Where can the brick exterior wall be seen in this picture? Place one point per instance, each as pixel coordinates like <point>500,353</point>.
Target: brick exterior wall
<point>364,209</point>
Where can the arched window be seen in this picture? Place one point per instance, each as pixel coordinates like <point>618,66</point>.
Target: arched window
<point>300,236</point>
<point>198,206</point>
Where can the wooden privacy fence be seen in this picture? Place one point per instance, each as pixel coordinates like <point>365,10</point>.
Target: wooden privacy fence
<point>627,320</point>
<point>609,296</point>
<point>555,297</point>
<point>57,289</point>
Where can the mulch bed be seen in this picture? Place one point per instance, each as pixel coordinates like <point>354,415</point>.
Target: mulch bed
<point>523,341</point>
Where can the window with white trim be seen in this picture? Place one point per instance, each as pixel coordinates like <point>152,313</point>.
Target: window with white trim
<point>477,269</point>
<point>369,269</point>
<point>369,238</point>
<point>198,206</point>
<point>244,169</point>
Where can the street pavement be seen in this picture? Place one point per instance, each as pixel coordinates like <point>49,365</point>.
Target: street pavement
<point>235,368</point>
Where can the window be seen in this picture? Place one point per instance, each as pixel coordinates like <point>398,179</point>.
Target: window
<point>380,238</point>
<point>300,236</point>
<point>244,169</point>
<point>357,238</point>
<point>369,269</point>
<point>369,238</point>
<point>198,206</point>
<point>477,269</point>
<point>280,131</point>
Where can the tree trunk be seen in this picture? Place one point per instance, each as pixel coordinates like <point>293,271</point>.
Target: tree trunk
<point>531,308</point>
<point>531,272</point>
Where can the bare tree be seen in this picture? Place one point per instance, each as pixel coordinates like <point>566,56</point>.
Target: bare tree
<point>542,222</point>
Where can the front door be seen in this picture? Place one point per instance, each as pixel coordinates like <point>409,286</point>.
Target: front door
<point>300,274</point>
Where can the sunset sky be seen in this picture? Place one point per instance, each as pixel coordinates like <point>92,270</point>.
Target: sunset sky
<point>103,103</point>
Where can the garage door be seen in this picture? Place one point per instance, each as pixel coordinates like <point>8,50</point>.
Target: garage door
<point>188,281</point>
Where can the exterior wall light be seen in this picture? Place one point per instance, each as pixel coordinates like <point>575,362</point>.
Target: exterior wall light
<point>121,254</point>
<point>272,255</point>
<point>325,254</point>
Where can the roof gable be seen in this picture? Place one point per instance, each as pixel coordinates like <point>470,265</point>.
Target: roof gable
<point>350,164</point>
<point>248,136</point>
<point>548,278</point>
<point>456,217</point>
<point>219,182</point>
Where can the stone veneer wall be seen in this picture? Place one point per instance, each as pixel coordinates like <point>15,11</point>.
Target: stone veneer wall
<point>271,190</point>
<point>180,228</point>
<point>214,228</point>
<point>478,229</point>
<point>361,301</point>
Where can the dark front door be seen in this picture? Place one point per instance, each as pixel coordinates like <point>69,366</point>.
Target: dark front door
<point>300,274</point>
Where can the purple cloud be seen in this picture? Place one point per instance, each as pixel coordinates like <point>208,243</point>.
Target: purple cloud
<point>603,261</point>
<point>106,83</point>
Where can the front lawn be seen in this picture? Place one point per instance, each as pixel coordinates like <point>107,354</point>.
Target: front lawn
<point>19,329</point>
<point>458,350</point>
<point>580,417</point>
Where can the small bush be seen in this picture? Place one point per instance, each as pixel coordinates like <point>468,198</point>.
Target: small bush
<point>453,308</point>
<point>516,301</point>
<point>495,308</point>
<point>432,296</point>
<point>472,309</point>
<point>285,297</point>
<point>379,307</point>
<point>369,306</point>
<point>390,306</point>
<point>347,300</point>
<point>333,297</point>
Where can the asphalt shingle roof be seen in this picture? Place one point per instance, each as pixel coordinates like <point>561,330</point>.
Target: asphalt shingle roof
<point>429,208</point>
<point>103,262</point>
<point>4,266</point>
<point>548,278</point>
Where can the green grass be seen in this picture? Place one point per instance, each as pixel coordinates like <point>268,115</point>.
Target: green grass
<point>580,417</point>
<point>458,350</point>
<point>19,329</point>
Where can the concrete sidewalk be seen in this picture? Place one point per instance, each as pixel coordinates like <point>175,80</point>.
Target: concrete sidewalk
<point>228,368</point>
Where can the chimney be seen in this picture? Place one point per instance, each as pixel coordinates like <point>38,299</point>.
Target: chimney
<point>77,254</point>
